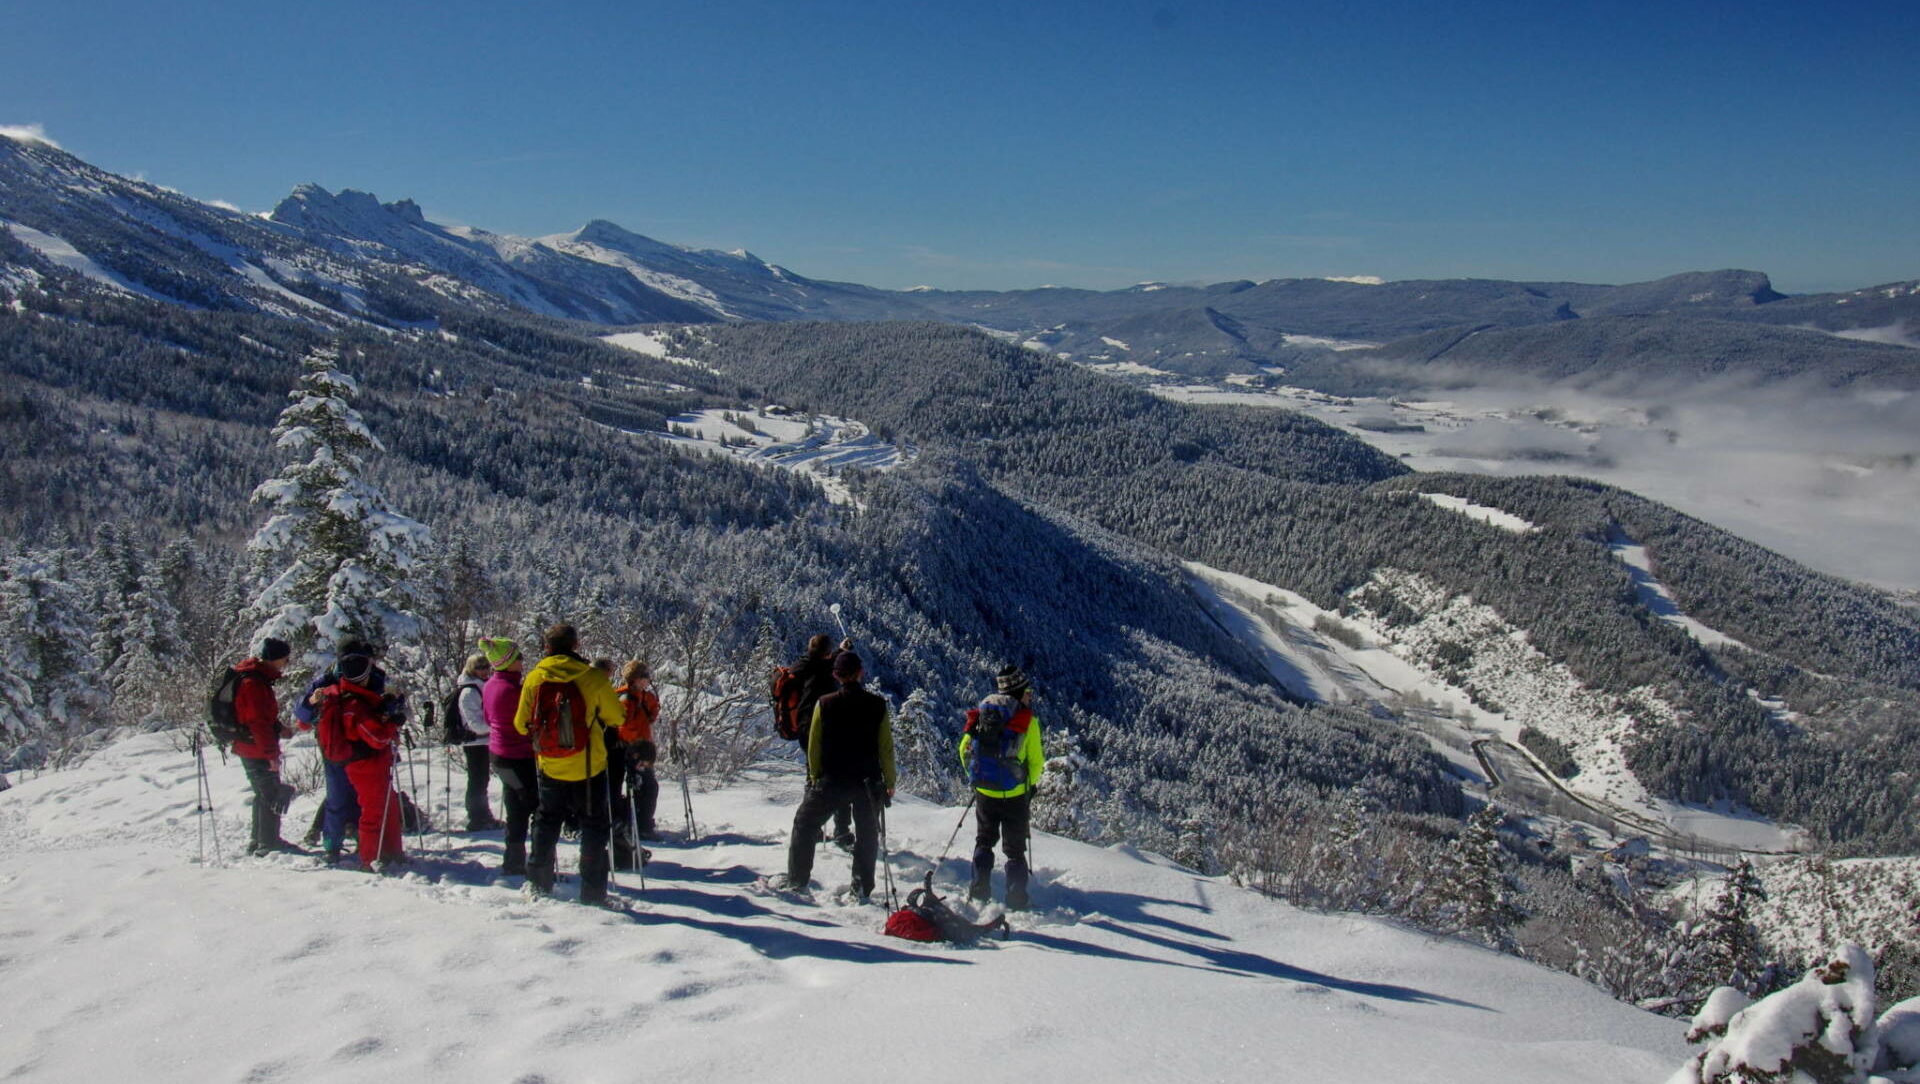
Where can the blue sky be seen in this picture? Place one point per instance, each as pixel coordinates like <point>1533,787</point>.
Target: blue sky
<point>1000,145</point>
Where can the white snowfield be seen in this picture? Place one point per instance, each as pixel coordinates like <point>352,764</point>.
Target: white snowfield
<point>1506,521</point>
<point>817,444</point>
<point>126,960</point>
<point>59,252</point>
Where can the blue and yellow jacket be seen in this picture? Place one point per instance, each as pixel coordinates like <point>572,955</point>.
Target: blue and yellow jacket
<point>1027,725</point>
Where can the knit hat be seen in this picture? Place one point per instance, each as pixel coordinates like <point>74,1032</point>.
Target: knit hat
<point>356,646</point>
<point>499,652</point>
<point>846,665</point>
<point>1010,681</point>
<point>274,649</point>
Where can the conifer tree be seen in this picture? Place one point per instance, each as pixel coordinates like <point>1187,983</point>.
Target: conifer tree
<point>148,637</point>
<point>49,692</point>
<point>1733,944</point>
<point>925,756</point>
<point>1475,882</point>
<point>333,559</point>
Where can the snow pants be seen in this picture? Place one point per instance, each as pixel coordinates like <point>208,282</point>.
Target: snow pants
<point>816,809</point>
<point>1004,821</point>
<point>646,791</point>
<point>585,802</point>
<point>479,813</point>
<point>520,793</point>
<point>380,828</point>
<point>341,810</point>
<point>270,797</point>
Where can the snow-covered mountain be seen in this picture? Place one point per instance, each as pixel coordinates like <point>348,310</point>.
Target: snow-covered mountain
<point>144,963</point>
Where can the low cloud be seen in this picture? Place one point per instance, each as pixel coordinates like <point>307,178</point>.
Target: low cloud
<point>1892,334</point>
<point>28,133</point>
<point>1828,477</point>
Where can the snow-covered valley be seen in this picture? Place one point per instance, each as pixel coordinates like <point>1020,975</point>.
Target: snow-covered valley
<point>1503,686</point>
<point>146,964</point>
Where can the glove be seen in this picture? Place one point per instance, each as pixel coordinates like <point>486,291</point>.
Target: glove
<point>644,752</point>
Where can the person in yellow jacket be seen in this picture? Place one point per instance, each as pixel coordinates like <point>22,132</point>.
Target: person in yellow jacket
<point>1001,752</point>
<point>566,706</point>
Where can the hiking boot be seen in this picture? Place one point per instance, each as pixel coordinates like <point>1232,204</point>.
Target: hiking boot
<point>332,856</point>
<point>396,864</point>
<point>781,882</point>
<point>981,890</point>
<point>844,841</point>
<point>1017,898</point>
<point>278,846</point>
<point>487,825</point>
<point>513,869</point>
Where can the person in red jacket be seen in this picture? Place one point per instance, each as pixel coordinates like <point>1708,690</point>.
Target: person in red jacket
<point>636,734</point>
<point>257,709</point>
<point>361,726</point>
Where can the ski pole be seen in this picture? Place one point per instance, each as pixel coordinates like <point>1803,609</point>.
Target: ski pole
<point>886,852</point>
<point>972,795</point>
<point>633,824</point>
<point>386,810</point>
<point>835,611</point>
<point>427,728</point>
<point>413,788</point>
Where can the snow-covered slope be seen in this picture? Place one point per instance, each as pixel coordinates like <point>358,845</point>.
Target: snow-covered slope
<point>1417,667</point>
<point>127,960</point>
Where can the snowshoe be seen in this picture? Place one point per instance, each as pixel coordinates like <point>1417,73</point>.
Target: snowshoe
<point>779,885</point>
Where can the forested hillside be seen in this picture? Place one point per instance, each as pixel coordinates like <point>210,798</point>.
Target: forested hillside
<point>1286,501</point>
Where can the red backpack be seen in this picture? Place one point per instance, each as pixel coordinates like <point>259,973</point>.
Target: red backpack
<point>788,690</point>
<point>351,726</point>
<point>560,726</point>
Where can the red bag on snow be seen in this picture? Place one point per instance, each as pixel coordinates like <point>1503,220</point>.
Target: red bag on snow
<point>912,925</point>
<point>926,917</point>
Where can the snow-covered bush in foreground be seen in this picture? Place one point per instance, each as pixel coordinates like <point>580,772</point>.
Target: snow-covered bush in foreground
<point>1820,1030</point>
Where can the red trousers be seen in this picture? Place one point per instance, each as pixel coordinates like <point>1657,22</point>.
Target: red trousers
<point>372,780</point>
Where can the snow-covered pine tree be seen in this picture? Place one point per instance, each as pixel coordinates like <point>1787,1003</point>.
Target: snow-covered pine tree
<point>333,559</point>
<point>140,677</point>
<point>928,765</point>
<point>1733,944</point>
<point>49,679</point>
<point>1474,883</point>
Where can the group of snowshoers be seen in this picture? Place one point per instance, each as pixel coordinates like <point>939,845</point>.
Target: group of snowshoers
<point>575,751</point>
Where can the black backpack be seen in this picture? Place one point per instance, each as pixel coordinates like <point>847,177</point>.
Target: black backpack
<point>223,722</point>
<point>451,721</point>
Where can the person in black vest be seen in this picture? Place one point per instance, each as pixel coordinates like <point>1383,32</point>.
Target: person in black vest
<point>815,670</point>
<point>849,763</point>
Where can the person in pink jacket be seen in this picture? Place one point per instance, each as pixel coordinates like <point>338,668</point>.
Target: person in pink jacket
<point>511,751</point>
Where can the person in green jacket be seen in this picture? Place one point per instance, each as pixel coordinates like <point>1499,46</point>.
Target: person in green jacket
<point>849,762</point>
<point>1001,752</point>
<point>566,706</point>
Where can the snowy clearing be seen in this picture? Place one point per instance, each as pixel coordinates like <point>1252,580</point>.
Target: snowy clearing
<point>1656,598</point>
<point>143,965</point>
<point>59,252</point>
<point>819,445</point>
<point>1506,521</point>
<point>651,343</point>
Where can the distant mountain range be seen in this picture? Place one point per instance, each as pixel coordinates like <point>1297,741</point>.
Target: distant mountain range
<point>346,256</point>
